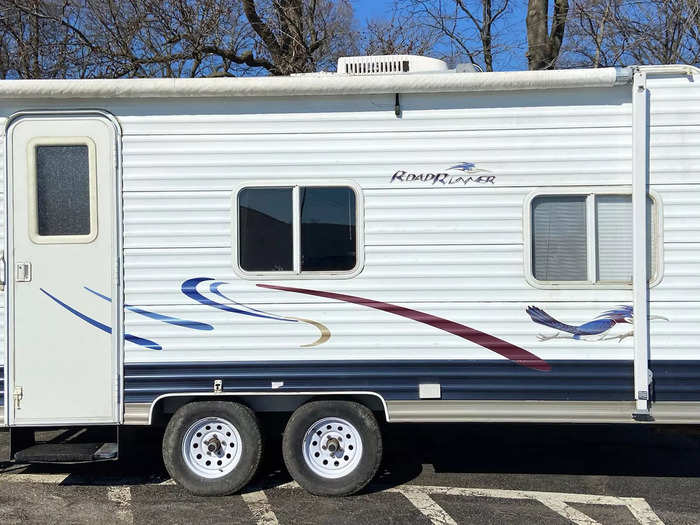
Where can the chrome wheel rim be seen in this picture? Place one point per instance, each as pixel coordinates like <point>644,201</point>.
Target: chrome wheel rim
<point>332,448</point>
<point>212,447</point>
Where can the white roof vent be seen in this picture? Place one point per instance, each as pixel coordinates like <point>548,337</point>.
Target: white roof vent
<point>389,65</point>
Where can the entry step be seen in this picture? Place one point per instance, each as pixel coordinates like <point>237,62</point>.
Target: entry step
<point>67,453</point>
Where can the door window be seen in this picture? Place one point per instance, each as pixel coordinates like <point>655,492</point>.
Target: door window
<point>62,191</point>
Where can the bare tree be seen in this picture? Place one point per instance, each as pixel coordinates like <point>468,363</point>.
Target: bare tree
<point>175,38</point>
<point>592,37</point>
<point>661,31</point>
<point>298,35</point>
<point>116,38</point>
<point>107,38</point>
<point>40,39</point>
<point>619,32</point>
<point>544,39</point>
<point>470,28</point>
<point>401,34</point>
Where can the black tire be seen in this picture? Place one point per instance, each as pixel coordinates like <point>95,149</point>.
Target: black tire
<point>367,427</point>
<point>247,426</point>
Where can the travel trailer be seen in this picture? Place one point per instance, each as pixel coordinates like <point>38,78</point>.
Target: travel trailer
<point>395,241</point>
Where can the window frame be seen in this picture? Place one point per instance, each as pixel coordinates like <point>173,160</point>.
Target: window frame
<point>297,273</point>
<point>591,283</point>
<point>33,211</point>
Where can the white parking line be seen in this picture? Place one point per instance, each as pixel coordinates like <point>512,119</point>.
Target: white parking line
<point>167,482</point>
<point>260,507</point>
<point>122,496</point>
<point>33,478</point>
<point>424,503</point>
<point>290,485</point>
<point>557,501</point>
<point>418,495</point>
<point>641,510</point>
<point>567,511</point>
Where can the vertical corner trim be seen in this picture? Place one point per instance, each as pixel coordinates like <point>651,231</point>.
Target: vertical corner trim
<point>640,173</point>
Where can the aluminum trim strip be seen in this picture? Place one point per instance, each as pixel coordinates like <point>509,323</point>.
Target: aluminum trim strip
<point>676,412</point>
<point>442,411</point>
<point>137,413</point>
<point>508,411</point>
<point>537,412</point>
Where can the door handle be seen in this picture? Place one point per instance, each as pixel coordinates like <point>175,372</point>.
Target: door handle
<point>2,271</point>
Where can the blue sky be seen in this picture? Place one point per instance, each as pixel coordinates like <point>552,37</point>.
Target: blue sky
<point>511,29</point>
<point>365,9</point>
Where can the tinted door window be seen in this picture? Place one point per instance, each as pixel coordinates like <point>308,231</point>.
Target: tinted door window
<point>63,190</point>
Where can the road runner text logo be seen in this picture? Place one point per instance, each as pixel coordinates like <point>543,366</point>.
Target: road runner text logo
<point>447,179</point>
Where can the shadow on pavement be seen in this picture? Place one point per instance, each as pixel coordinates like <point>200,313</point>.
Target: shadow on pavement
<point>626,450</point>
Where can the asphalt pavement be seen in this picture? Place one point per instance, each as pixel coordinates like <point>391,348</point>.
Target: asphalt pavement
<point>432,473</point>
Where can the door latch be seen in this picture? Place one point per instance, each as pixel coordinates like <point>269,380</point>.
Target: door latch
<point>23,272</point>
<point>17,395</point>
<point>2,272</point>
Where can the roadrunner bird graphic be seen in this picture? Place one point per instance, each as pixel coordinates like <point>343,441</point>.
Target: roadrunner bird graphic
<point>469,167</point>
<point>595,330</point>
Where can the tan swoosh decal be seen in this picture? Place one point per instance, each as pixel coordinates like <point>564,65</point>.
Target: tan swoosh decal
<point>325,332</point>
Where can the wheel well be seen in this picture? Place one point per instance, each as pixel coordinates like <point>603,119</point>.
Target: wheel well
<point>164,407</point>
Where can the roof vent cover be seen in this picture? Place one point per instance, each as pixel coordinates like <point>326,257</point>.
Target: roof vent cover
<point>389,65</point>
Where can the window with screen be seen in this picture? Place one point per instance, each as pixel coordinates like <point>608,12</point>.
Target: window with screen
<point>62,191</point>
<point>297,229</point>
<point>559,238</point>
<point>586,238</point>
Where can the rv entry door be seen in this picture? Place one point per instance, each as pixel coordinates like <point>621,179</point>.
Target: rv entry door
<point>62,270</point>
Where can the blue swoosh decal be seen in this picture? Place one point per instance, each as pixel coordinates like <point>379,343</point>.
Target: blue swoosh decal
<point>132,338</point>
<point>189,288</point>
<point>214,288</point>
<point>195,325</point>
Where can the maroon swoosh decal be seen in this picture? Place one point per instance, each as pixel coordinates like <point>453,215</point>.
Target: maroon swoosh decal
<point>504,348</point>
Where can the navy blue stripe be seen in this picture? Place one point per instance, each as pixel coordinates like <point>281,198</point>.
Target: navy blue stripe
<point>502,380</point>
<point>2,386</point>
<point>676,380</point>
<point>487,379</point>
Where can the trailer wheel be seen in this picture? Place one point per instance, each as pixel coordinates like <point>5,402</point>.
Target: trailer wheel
<point>332,448</point>
<point>212,448</point>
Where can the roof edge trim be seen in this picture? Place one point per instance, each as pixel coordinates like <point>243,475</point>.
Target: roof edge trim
<point>312,85</point>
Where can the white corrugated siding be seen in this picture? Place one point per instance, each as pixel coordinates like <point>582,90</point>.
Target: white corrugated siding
<point>521,158</point>
<point>361,333</point>
<point>675,175</point>
<point>455,251</point>
<point>2,235</point>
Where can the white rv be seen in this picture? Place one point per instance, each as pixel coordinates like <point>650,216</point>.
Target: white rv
<point>395,241</point>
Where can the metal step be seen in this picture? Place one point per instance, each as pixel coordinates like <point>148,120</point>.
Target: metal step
<point>67,453</point>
